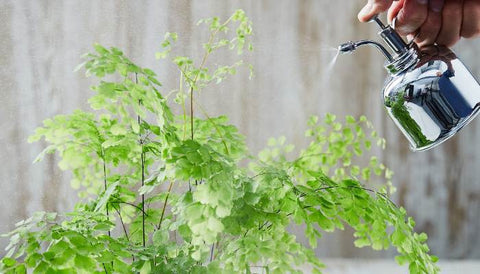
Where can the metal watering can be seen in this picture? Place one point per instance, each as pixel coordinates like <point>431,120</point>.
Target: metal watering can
<point>429,93</point>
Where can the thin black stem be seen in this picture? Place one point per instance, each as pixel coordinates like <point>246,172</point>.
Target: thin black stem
<point>143,196</point>
<point>212,249</point>
<point>263,225</point>
<point>123,224</point>
<point>191,123</point>
<point>105,187</point>
<point>142,156</point>
<point>124,228</point>
<point>105,184</point>
<point>165,205</point>
<point>104,268</point>
<point>127,203</point>
<point>191,112</point>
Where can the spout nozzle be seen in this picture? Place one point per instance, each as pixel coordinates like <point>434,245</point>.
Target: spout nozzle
<point>351,46</point>
<point>347,47</point>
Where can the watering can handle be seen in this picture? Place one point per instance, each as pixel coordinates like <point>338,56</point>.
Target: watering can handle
<point>391,37</point>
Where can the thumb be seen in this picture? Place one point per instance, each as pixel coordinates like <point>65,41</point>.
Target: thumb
<point>373,7</point>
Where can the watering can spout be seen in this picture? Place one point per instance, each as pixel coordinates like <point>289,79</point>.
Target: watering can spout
<point>347,47</point>
<point>352,46</point>
<point>389,36</point>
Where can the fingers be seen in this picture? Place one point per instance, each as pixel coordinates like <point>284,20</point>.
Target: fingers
<point>452,23</point>
<point>436,5</point>
<point>430,29</point>
<point>430,21</point>
<point>394,9</point>
<point>471,21</point>
<point>410,14</point>
<point>373,7</point>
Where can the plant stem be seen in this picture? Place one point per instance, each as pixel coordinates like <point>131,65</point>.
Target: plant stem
<point>194,82</point>
<point>212,251</point>
<point>130,204</point>
<point>191,125</point>
<point>183,106</point>
<point>143,196</point>
<point>142,159</point>
<point>123,224</point>
<point>191,111</point>
<point>124,228</point>
<point>184,122</point>
<point>105,185</point>
<point>165,204</point>
<point>215,126</point>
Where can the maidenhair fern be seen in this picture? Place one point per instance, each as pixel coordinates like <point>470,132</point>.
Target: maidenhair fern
<point>171,193</point>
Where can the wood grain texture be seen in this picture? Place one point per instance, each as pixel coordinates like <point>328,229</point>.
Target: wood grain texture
<point>42,42</point>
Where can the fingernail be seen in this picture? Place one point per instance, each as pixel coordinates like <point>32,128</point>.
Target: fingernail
<point>436,5</point>
<point>410,37</point>
<point>423,2</point>
<point>365,11</point>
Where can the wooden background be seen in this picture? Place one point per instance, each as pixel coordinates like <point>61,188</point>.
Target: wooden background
<point>41,42</point>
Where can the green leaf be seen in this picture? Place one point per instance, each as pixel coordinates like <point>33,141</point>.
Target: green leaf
<point>160,237</point>
<point>100,49</point>
<point>135,127</point>
<point>272,142</point>
<point>401,259</point>
<point>20,269</point>
<point>105,257</point>
<point>362,242</point>
<point>222,211</point>
<point>330,118</point>
<point>215,225</point>
<point>146,268</point>
<point>8,262</point>
<point>42,267</point>
<point>197,255</point>
<point>103,227</point>
<point>84,262</point>
<point>59,247</point>
<point>118,130</point>
<point>106,196</point>
<point>194,211</point>
<point>350,119</point>
<point>324,222</point>
<point>32,259</point>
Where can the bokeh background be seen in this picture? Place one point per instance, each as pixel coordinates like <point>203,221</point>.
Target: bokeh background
<point>42,41</point>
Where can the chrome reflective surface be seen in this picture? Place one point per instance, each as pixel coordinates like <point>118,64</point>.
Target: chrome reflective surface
<point>433,99</point>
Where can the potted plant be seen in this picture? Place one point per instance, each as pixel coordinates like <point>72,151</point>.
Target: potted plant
<point>180,193</point>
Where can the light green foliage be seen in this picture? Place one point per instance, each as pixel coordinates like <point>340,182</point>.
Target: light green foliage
<point>202,210</point>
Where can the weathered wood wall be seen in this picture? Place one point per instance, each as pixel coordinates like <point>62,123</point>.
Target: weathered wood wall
<point>41,42</point>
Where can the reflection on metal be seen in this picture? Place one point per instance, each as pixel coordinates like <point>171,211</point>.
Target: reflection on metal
<point>433,99</point>
<point>430,94</point>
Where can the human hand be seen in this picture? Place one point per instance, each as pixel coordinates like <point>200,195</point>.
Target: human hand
<point>442,22</point>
